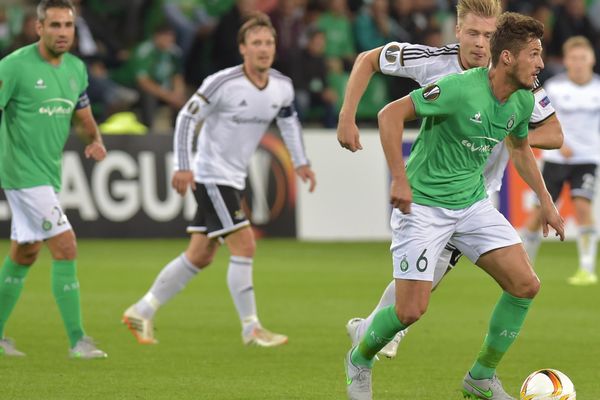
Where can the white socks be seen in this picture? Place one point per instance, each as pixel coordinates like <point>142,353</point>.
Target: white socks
<point>531,242</point>
<point>239,280</point>
<point>170,281</point>
<point>587,245</point>
<point>388,298</point>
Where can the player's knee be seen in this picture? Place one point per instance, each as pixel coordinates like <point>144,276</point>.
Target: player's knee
<point>200,260</point>
<point>26,258</point>
<point>247,248</point>
<point>243,248</point>
<point>67,253</point>
<point>410,315</point>
<point>528,289</point>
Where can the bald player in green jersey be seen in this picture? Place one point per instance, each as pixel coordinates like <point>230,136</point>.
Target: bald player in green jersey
<point>440,195</point>
<point>41,87</point>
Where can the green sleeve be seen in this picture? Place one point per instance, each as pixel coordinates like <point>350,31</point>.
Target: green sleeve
<point>528,101</point>
<point>438,99</point>
<point>8,83</point>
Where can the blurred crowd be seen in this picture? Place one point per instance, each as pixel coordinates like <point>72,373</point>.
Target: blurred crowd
<point>149,55</point>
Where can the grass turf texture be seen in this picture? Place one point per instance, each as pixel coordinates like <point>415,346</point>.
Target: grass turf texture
<point>305,290</point>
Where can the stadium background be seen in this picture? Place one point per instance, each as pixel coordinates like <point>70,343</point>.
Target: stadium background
<point>128,195</point>
<point>306,289</point>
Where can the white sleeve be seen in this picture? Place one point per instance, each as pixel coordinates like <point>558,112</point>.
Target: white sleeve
<point>197,108</point>
<point>542,109</point>
<point>291,132</point>
<point>414,61</point>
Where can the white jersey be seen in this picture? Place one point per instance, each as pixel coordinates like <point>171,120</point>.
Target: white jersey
<point>578,108</point>
<point>426,65</point>
<point>236,115</point>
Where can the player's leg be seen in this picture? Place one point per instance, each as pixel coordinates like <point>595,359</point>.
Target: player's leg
<point>587,243</point>
<point>531,234</point>
<point>66,291</point>
<point>12,278</point>
<point>242,246</point>
<point>554,176</point>
<point>171,280</point>
<point>176,274</point>
<point>416,247</point>
<point>489,240</point>
<point>226,220</point>
<point>356,327</point>
<point>583,182</point>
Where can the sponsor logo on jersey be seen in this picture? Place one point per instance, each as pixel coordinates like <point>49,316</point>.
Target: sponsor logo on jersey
<point>243,103</point>
<point>57,106</point>
<point>40,84</point>
<point>431,92</point>
<point>511,122</point>
<point>544,102</point>
<point>251,120</point>
<point>480,148</point>
<point>392,53</point>
<point>476,118</point>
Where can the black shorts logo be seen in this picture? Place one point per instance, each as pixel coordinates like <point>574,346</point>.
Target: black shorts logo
<point>431,92</point>
<point>391,53</point>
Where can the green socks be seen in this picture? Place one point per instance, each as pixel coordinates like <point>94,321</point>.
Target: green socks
<point>12,277</point>
<point>65,288</point>
<point>382,330</point>
<point>506,322</point>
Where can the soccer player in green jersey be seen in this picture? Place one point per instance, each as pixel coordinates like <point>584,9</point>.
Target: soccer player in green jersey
<point>476,22</point>
<point>41,87</point>
<point>440,195</point>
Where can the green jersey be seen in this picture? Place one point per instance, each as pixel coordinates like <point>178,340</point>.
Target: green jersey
<point>148,60</point>
<point>38,100</point>
<point>463,121</point>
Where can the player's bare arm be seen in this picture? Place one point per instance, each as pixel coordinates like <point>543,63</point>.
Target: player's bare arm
<point>547,135</point>
<point>366,64</point>
<point>524,161</point>
<point>90,134</point>
<point>174,99</point>
<point>391,128</point>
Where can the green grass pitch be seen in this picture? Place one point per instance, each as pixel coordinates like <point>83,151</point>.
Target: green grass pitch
<point>306,290</point>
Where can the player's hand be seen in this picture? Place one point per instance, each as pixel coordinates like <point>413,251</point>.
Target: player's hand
<point>95,150</point>
<point>306,174</point>
<point>401,195</point>
<point>566,151</point>
<point>550,216</point>
<point>347,134</point>
<point>182,180</point>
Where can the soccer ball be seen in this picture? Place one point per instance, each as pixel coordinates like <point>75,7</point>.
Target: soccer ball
<point>548,384</point>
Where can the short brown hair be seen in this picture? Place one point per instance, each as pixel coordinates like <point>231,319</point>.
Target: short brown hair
<point>46,4</point>
<point>481,8</point>
<point>513,32</point>
<point>256,20</point>
<point>577,41</point>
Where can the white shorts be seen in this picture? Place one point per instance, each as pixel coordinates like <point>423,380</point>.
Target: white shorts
<point>36,214</point>
<point>418,238</point>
